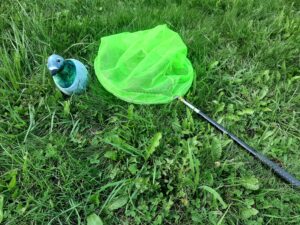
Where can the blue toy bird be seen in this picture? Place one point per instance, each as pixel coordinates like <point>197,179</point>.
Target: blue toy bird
<point>69,75</point>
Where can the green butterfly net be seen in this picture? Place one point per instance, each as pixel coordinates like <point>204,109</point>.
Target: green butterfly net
<point>151,67</point>
<point>144,67</point>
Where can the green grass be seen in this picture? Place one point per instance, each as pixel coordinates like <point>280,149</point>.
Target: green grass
<point>63,159</point>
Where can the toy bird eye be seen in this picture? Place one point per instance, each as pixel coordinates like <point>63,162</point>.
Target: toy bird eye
<point>58,60</point>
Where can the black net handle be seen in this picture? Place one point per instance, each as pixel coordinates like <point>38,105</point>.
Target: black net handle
<point>282,173</point>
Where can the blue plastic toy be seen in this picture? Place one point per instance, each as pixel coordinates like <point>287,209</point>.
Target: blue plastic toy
<point>69,75</point>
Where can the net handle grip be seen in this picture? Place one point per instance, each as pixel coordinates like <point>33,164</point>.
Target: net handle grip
<point>282,173</point>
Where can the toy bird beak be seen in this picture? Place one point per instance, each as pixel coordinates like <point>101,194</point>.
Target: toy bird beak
<point>53,70</point>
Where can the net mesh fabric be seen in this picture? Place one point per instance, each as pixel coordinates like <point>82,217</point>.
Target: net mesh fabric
<point>144,67</point>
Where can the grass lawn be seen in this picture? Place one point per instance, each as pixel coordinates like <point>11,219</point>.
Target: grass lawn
<point>64,159</point>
